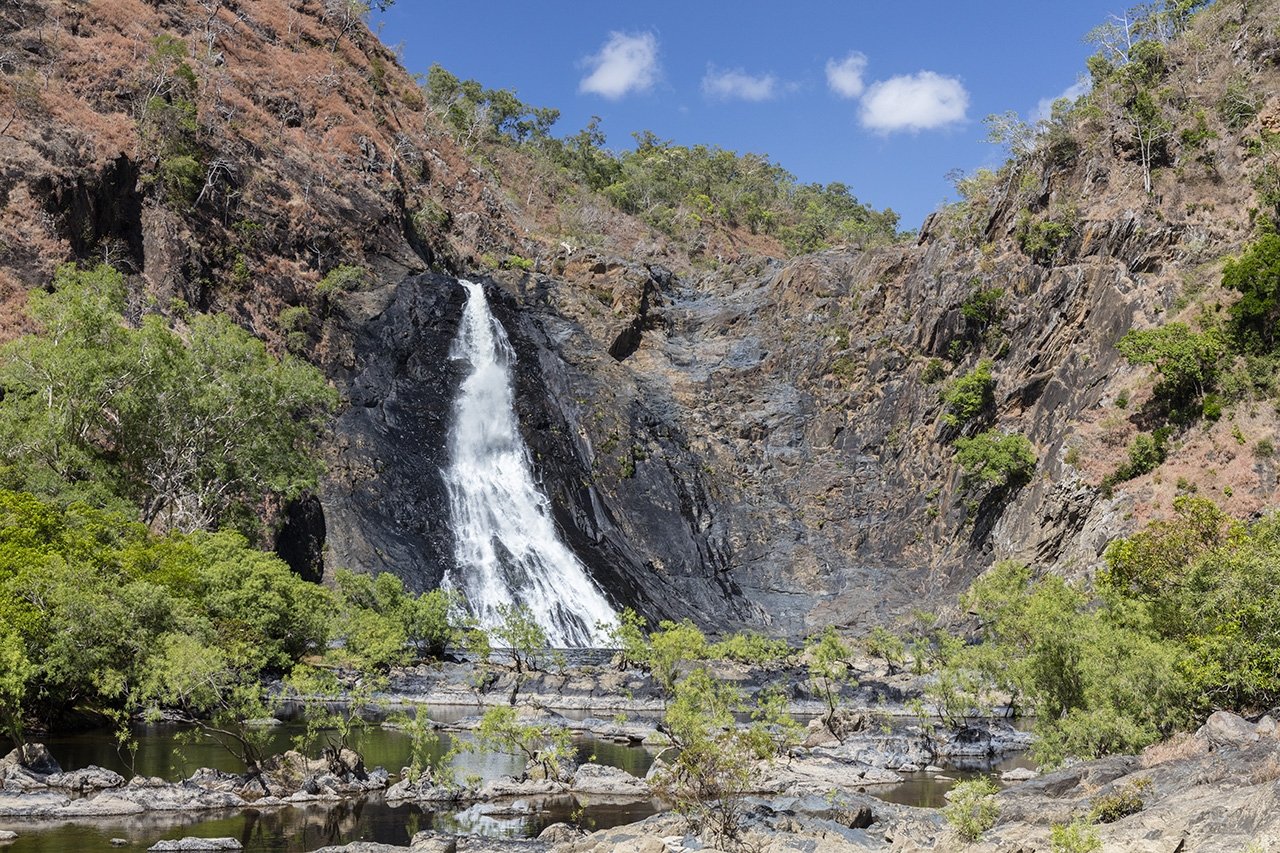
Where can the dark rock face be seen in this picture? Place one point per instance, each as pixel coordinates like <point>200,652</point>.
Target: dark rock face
<point>759,446</point>
<point>385,505</point>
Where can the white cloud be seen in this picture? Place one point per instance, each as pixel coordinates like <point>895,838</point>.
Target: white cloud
<point>626,64</point>
<point>738,84</point>
<point>1045,107</point>
<point>924,101</point>
<point>845,78</point>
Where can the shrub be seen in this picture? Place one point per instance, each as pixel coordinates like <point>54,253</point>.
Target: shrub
<point>717,763</point>
<point>1123,801</point>
<point>750,647</point>
<point>972,809</point>
<point>1079,836</point>
<point>829,666</point>
<point>344,278</point>
<point>1004,461</point>
<point>1264,449</point>
<point>544,746</point>
<point>970,396</point>
<point>934,372</point>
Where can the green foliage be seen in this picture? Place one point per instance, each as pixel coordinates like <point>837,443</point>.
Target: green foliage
<point>1240,102</point>
<point>829,667</point>
<point>887,646</point>
<point>627,635</point>
<point>197,433</point>
<point>213,687</point>
<point>343,278</point>
<point>1187,361</point>
<point>1075,667</point>
<point>1256,315</point>
<point>335,713</point>
<point>751,648</point>
<point>477,113</point>
<point>674,644</point>
<point>935,371</point>
<point>1123,801</point>
<point>1044,241</point>
<point>1146,452</point>
<point>997,460</point>
<point>1079,836</point>
<point>970,398</point>
<point>982,308</point>
<point>106,614</point>
<point>15,669</point>
<point>380,620</point>
<point>544,745</point>
<point>972,808</point>
<point>1188,623</point>
<point>717,764</point>
<point>277,615</point>
<point>519,633</point>
<point>1153,562</point>
<point>683,191</point>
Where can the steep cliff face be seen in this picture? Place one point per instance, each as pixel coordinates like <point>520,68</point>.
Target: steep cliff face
<point>765,443</point>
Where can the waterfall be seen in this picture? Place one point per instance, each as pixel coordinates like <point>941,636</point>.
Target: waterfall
<point>507,550</point>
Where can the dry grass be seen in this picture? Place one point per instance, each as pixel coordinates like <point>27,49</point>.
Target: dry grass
<point>1181,746</point>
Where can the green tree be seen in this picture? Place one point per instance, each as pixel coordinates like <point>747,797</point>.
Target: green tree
<point>544,745</point>
<point>1255,317</point>
<point>999,460</point>
<point>674,644</point>
<point>718,762</point>
<point>519,632</point>
<point>1187,361</point>
<point>196,434</point>
<point>972,808</point>
<point>829,667</point>
<point>15,669</point>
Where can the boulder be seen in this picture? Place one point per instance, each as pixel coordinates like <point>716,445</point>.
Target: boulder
<point>31,803</point>
<point>610,781</point>
<point>1224,729</point>
<point>36,758</point>
<point>428,841</point>
<point>196,844</point>
<point>91,778</point>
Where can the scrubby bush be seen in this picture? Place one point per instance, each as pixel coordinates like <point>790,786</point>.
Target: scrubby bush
<point>1123,801</point>
<point>750,647</point>
<point>972,808</point>
<point>997,460</point>
<point>970,397</point>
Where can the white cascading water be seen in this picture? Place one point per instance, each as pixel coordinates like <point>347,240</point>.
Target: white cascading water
<point>507,549</point>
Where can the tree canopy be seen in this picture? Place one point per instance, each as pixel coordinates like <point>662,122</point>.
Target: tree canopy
<point>193,423</point>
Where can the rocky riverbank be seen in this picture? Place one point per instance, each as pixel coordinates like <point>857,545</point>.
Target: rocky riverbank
<point>1216,790</point>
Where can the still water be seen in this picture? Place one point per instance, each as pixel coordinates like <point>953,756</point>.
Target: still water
<point>290,829</point>
<point>298,829</point>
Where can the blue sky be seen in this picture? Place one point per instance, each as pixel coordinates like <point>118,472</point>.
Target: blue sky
<point>884,97</point>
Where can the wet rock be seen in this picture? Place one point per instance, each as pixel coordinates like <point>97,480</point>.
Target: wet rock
<point>36,758</point>
<point>560,833</point>
<point>31,803</point>
<point>508,787</point>
<point>216,780</point>
<point>1018,774</point>
<point>428,841</point>
<point>821,774</point>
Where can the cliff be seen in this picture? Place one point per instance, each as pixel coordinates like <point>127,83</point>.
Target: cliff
<point>753,441</point>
